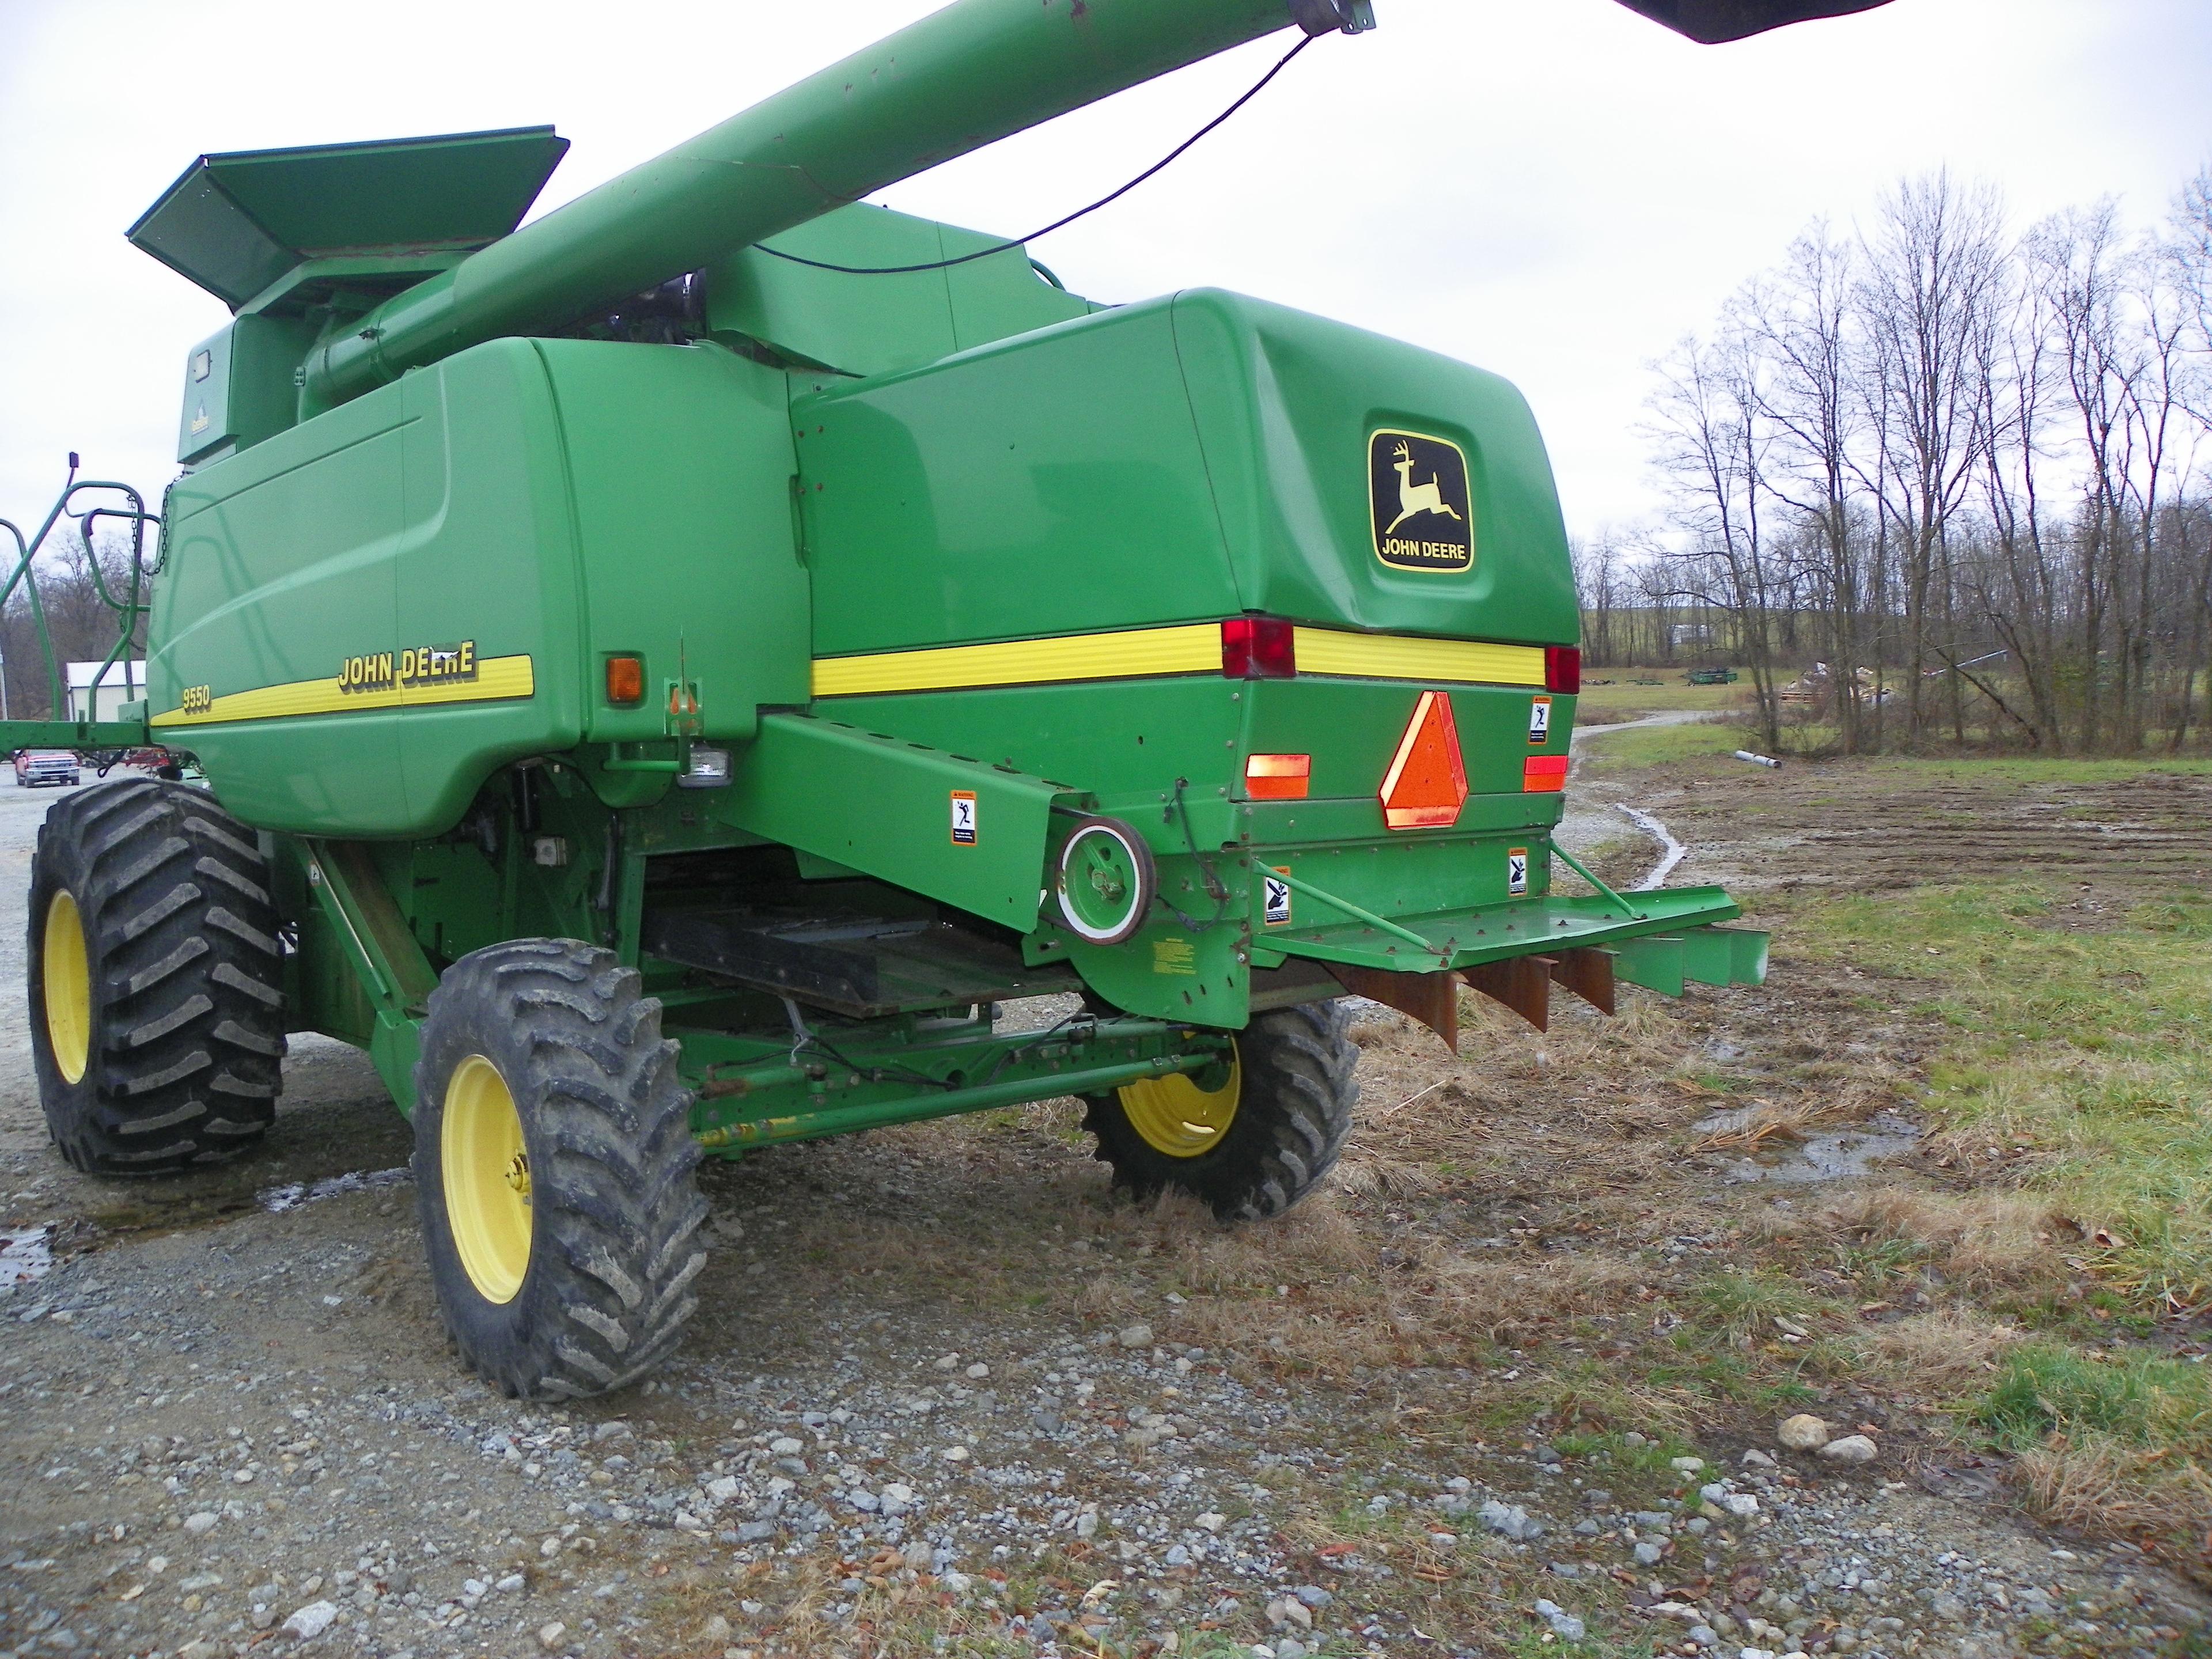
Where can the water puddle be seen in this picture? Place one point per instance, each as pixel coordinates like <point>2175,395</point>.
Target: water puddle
<point>1833,1155</point>
<point>1672,852</point>
<point>25,1257</point>
<point>277,1200</point>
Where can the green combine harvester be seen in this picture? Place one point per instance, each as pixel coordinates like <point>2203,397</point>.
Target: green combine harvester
<point>665,674</point>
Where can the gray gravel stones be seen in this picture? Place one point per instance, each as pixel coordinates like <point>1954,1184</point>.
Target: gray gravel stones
<point>1803,1433</point>
<point>1564,1625</point>
<point>1511,1520</point>
<point>310,1621</point>
<point>1852,1449</point>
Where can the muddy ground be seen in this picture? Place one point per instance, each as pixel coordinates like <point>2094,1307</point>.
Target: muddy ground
<point>948,1394</point>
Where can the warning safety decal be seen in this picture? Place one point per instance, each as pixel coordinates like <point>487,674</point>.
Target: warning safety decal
<point>1540,719</point>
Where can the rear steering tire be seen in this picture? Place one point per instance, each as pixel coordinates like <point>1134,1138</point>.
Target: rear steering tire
<point>555,1169</point>
<point>156,980</point>
<point>1251,1139</point>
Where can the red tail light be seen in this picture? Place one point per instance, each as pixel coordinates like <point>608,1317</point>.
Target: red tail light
<point>1258,648</point>
<point>1563,669</point>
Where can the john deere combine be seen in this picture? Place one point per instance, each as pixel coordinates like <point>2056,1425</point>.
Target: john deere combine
<point>665,674</point>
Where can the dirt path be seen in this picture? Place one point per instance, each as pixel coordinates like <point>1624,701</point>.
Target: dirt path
<point>1596,812</point>
<point>947,1394</point>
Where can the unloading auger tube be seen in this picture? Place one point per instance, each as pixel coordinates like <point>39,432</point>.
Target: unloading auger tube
<point>961,78</point>
<point>976,72</point>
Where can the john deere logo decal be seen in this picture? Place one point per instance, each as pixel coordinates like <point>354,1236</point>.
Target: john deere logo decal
<point>1423,515</point>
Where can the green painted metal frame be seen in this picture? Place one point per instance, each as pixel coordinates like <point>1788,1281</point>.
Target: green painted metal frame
<point>753,1091</point>
<point>387,958</point>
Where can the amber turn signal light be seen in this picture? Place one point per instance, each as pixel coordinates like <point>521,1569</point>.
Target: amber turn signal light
<point>1541,773</point>
<point>625,680</point>
<point>1278,777</point>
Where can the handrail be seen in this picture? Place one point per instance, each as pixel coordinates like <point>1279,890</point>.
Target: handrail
<point>130,609</point>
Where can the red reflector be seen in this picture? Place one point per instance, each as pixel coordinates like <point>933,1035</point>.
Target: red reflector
<point>1540,772</point>
<point>1563,669</point>
<point>1278,777</point>
<point>625,679</point>
<point>1258,648</point>
<point>1426,784</point>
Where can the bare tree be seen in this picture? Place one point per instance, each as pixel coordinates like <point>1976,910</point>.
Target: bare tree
<point>1713,438</point>
<point>1803,324</point>
<point>1928,299</point>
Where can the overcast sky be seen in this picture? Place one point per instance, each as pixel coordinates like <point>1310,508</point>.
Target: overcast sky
<point>1553,189</point>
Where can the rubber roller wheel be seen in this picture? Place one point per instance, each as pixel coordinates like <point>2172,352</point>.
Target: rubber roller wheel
<point>555,1169</point>
<point>156,980</point>
<point>1107,881</point>
<point>1250,1137</point>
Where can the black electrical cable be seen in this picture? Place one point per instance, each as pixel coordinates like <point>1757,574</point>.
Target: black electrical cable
<point>1058,224</point>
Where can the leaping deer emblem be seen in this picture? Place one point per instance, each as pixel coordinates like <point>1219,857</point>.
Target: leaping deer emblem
<point>1415,499</point>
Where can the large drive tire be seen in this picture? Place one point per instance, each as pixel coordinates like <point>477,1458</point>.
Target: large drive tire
<point>1250,1143</point>
<point>554,1170</point>
<point>155,979</point>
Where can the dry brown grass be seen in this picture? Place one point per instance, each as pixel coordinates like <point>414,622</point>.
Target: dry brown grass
<point>1943,1351</point>
<point>2107,1489</point>
<point>1978,1242</point>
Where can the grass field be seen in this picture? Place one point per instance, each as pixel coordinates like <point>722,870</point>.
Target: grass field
<point>1623,698</point>
<point>2072,1086</point>
<point>1658,745</point>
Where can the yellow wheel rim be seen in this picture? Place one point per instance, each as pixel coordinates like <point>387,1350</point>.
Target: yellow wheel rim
<point>1176,1117</point>
<point>486,1170</point>
<point>67,974</point>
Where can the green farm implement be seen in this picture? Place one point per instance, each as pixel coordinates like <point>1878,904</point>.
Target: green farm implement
<point>666,674</point>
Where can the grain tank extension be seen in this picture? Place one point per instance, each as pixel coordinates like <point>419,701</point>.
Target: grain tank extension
<point>658,694</point>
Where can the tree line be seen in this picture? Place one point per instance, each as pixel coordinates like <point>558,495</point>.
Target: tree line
<point>1965,460</point>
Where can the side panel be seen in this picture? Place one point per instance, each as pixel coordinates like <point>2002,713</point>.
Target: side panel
<point>281,564</point>
<point>362,618</point>
<point>487,560</point>
<point>1050,484</point>
<point>680,464</point>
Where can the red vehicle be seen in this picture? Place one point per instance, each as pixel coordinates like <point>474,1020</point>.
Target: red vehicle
<point>38,767</point>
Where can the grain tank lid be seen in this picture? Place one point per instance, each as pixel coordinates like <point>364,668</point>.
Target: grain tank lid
<point>236,224</point>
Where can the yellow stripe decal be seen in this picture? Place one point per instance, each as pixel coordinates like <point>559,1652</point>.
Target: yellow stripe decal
<point>498,679</point>
<point>1135,654</point>
<point>1146,652</point>
<point>1397,656</point>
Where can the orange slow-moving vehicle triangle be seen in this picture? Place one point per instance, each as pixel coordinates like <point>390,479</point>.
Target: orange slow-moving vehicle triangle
<point>1426,784</point>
